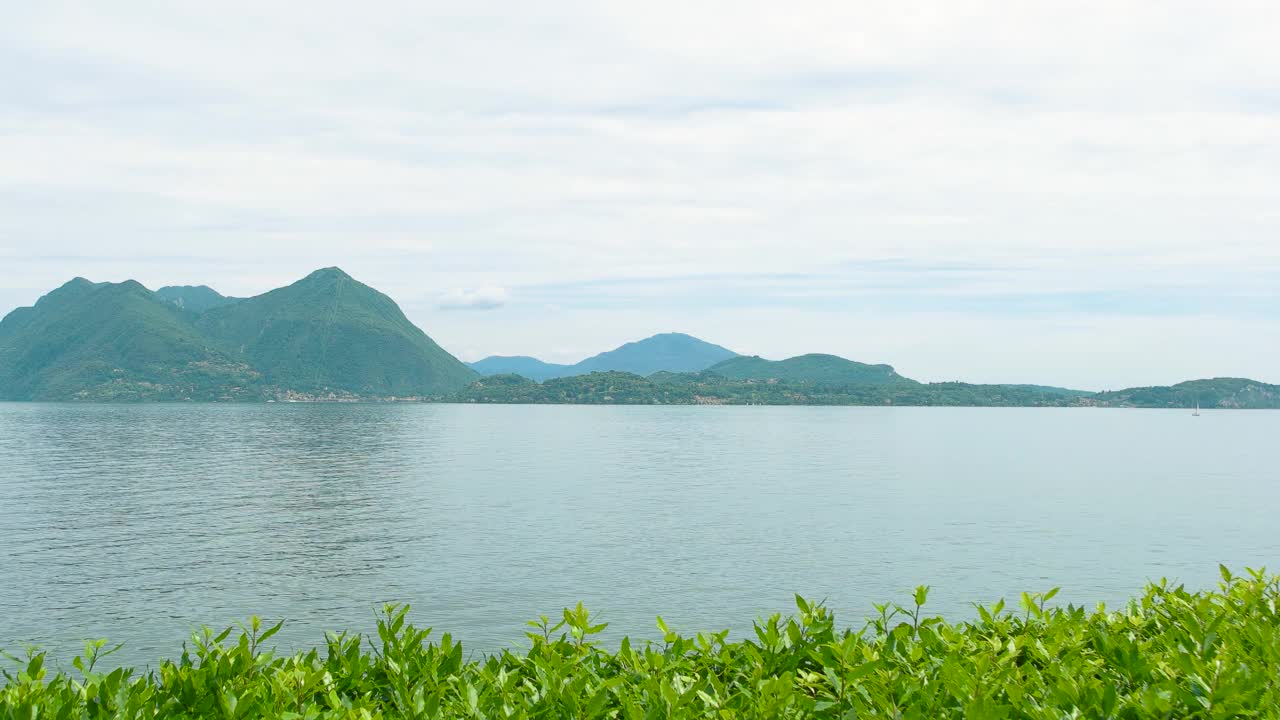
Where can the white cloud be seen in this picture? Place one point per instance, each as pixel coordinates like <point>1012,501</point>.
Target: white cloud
<point>1119,149</point>
<point>485,298</point>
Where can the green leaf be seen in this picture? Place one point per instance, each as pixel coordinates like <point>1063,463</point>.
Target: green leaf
<point>270,631</point>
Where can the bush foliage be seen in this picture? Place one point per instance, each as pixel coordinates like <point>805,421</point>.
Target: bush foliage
<point>1170,654</point>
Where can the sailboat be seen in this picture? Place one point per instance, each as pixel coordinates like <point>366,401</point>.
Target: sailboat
<point>1197,412</point>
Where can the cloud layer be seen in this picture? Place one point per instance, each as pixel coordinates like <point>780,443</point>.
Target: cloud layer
<point>485,298</point>
<point>1079,193</point>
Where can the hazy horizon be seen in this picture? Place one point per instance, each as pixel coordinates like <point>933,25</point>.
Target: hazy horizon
<point>1082,196</point>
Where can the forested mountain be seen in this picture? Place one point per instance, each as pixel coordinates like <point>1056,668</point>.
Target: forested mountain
<point>331,331</point>
<point>671,352</point>
<point>813,368</point>
<point>196,298</point>
<point>324,336</point>
<point>330,337</point>
<point>1213,393</point>
<point>112,341</point>
<point>711,388</point>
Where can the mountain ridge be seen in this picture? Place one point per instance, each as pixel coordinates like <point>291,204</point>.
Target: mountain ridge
<point>820,368</point>
<point>710,388</point>
<point>325,336</point>
<point>328,336</point>
<point>362,339</point>
<point>110,341</point>
<point>195,298</point>
<point>523,365</point>
<point>670,351</point>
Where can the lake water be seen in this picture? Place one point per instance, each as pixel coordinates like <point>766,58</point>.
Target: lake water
<point>139,522</point>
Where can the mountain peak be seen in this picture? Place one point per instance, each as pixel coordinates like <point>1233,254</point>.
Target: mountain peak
<point>73,288</point>
<point>74,285</point>
<point>672,336</point>
<point>76,290</point>
<point>329,273</point>
<point>328,331</point>
<point>196,298</point>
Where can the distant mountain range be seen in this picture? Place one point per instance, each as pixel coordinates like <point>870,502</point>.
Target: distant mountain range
<point>672,352</point>
<point>329,337</point>
<point>710,388</point>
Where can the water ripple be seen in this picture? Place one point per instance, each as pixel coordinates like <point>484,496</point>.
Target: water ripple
<point>139,523</point>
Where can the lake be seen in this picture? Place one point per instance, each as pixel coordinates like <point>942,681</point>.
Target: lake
<point>140,522</point>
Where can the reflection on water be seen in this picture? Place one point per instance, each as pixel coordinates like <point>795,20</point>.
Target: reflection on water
<point>140,522</point>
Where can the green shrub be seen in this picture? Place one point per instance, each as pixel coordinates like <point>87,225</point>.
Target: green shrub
<point>1169,654</point>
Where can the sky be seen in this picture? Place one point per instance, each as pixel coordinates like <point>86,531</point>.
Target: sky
<point>1083,194</point>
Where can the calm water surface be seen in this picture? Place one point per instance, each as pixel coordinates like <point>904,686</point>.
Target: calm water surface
<point>140,522</point>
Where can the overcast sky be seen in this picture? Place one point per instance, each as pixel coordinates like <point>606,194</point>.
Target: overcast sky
<point>1084,194</point>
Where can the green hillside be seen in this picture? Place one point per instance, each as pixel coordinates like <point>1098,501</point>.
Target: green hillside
<point>813,368</point>
<point>600,388</point>
<point>326,335</point>
<point>331,332</point>
<point>711,388</point>
<point>1234,393</point>
<point>196,298</point>
<point>53,302</point>
<point>110,341</point>
<point>1052,390</point>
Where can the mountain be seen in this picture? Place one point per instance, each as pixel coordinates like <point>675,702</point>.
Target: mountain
<point>710,388</point>
<point>324,336</point>
<point>53,302</point>
<point>329,331</point>
<point>196,298</point>
<point>331,337</point>
<point>1234,393</point>
<point>813,368</point>
<point>523,365</point>
<point>670,352</point>
<point>112,341</point>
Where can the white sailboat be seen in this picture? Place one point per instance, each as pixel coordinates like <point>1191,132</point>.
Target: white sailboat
<point>1197,412</point>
